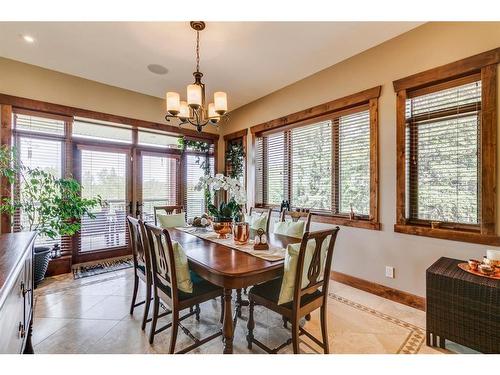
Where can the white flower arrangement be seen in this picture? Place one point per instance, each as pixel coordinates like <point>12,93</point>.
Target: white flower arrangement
<point>229,184</point>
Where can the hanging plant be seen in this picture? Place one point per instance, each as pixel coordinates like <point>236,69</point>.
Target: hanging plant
<point>201,147</point>
<point>234,157</point>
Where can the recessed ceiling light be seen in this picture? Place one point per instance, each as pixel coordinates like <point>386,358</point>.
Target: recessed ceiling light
<point>28,39</point>
<point>157,69</point>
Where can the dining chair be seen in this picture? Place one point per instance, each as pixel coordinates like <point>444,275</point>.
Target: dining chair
<point>169,210</point>
<point>142,265</point>
<point>165,288</point>
<point>308,295</point>
<point>297,215</point>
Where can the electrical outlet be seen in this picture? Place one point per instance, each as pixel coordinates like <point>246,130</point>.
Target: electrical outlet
<point>389,272</point>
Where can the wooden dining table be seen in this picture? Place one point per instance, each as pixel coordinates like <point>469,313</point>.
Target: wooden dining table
<point>230,269</point>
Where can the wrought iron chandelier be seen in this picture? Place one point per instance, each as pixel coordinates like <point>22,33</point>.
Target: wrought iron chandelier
<point>194,111</point>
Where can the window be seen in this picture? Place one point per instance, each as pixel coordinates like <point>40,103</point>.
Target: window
<point>154,139</point>
<point>101,131</point>
<point>326,164</point>
<point>446,144</point>
<point>39,145</point>
<point>442,143</point>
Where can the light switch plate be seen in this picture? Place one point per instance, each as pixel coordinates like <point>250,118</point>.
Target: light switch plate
<point>389,272</point>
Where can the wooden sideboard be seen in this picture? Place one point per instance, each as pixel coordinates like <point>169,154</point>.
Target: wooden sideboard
<point>16,292</point>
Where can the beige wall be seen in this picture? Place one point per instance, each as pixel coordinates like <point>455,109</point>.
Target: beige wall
<point>360,252</point>
<point>29,81</point>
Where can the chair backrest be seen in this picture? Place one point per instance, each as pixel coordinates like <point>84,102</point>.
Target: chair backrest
<point>162,261</point>
<point>169,210</point>
<point>140,245</point>
<point>317,276</point>
<point>296,215</point>
<point>263,211</point>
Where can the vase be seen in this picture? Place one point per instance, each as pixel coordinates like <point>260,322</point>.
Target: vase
<point>241,233</point>
<point>222,228</point>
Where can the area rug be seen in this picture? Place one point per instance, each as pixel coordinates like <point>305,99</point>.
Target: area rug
<point>111,265</point>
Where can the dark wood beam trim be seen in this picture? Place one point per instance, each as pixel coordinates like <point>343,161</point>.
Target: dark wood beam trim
<point>357,99</point>
<point>448,71</point>
<point>58,109</point>
<point>448,234</point>
<point>401,158</point>
<point>5,140</point>
<point>236,135</point>
<point>383,291</point>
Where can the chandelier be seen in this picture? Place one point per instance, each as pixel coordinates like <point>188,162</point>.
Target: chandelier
<point>194,111</point>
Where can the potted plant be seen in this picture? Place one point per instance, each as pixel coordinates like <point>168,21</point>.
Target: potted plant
<point>50,206</point>
<point>227,212</point>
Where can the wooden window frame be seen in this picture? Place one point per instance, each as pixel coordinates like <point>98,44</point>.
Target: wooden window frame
<point>368,98</point>
<point>484,65</point>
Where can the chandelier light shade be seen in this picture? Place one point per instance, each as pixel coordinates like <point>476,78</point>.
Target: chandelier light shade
<point>195,111</point>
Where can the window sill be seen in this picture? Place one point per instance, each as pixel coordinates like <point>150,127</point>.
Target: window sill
<point>448,234</point>
<point>355,223</point>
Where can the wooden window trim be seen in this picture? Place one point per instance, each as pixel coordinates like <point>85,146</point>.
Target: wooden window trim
<point>483,65</point>
<point>365,100</point>
<point>63,110</point>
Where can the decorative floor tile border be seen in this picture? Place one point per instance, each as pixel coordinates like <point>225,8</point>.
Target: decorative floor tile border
<point>416,335</point>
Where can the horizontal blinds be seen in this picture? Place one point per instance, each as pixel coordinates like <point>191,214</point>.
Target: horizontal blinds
<point>276,167</point>
<point>104,174</point>
<point>442,144</point>
<point>259,171</point>
<point>44,154</point>
<point>153,139</point>
<point>159,183</point>
<point>194,200</point>
<point>88,129</point>
<point>38,125</point>
<point>354,163</point>
<point>311,155</point>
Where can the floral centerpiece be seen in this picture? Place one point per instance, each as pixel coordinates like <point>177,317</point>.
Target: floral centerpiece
<point>223,216</point>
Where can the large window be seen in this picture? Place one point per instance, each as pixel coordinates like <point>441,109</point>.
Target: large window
<point>326,164</point>
<point>446,146</point>
<point>195,200</point>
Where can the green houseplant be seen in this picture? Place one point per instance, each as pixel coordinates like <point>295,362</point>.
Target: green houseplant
<point>50,206</point>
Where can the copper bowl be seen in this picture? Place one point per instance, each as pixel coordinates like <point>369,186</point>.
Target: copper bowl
<point>222,228</point>
<point>241,233</point>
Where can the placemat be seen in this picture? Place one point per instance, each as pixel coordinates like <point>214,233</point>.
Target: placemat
<point>274,253</point>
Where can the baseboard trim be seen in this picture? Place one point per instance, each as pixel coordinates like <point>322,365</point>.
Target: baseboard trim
<point>380,290</point>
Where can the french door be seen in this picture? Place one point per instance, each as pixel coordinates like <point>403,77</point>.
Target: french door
<point>103,171</point>
<point>157,182</point>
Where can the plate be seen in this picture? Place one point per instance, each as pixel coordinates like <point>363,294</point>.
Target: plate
<point>465,267</point>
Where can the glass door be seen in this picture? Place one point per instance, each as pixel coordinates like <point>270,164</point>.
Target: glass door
<point>104,172</point>
<point>158,181</point>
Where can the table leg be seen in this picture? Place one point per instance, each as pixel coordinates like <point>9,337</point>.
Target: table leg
<point>227,326</point>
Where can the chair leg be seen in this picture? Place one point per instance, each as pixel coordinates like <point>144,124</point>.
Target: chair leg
<point>285,321</point>
<point>295,335</point>
<point>147,303</point>
<point>250,324</point>
<point>156,308</point>
<point>238,303</point>
<point>134,294</point>
<point>197,312</point>
<point>221,309</point>
<point>324,329</point>
<point>173,334</point>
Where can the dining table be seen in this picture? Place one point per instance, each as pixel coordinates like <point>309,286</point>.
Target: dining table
<point>230,269</point>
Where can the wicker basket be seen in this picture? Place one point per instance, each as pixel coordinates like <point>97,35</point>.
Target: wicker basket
<point>42,258</point>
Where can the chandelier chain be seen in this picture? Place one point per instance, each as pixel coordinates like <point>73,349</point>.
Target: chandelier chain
<point>197,51</point>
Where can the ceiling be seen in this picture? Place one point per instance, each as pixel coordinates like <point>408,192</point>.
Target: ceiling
<point>248,60</point>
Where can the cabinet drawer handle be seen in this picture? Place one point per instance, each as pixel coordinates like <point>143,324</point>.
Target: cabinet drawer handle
<point>23,289</point>
<point>22,331</point>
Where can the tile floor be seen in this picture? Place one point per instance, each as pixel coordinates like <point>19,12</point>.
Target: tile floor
<point>91,315</point>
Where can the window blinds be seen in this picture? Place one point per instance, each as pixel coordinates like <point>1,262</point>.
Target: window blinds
<point>104,174</point>
<point>324,166</point>
<point>105,131</point>
<point>159,183</point>
<point>442,148</point>
<point>194,201</point>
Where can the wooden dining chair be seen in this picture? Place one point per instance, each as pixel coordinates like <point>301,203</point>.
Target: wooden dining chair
<point>169,210</point>
<point>262,211</point>
<point>165,289</point>
<point>142,265</point>
<point>305,299</point>
<point>297,215</point>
